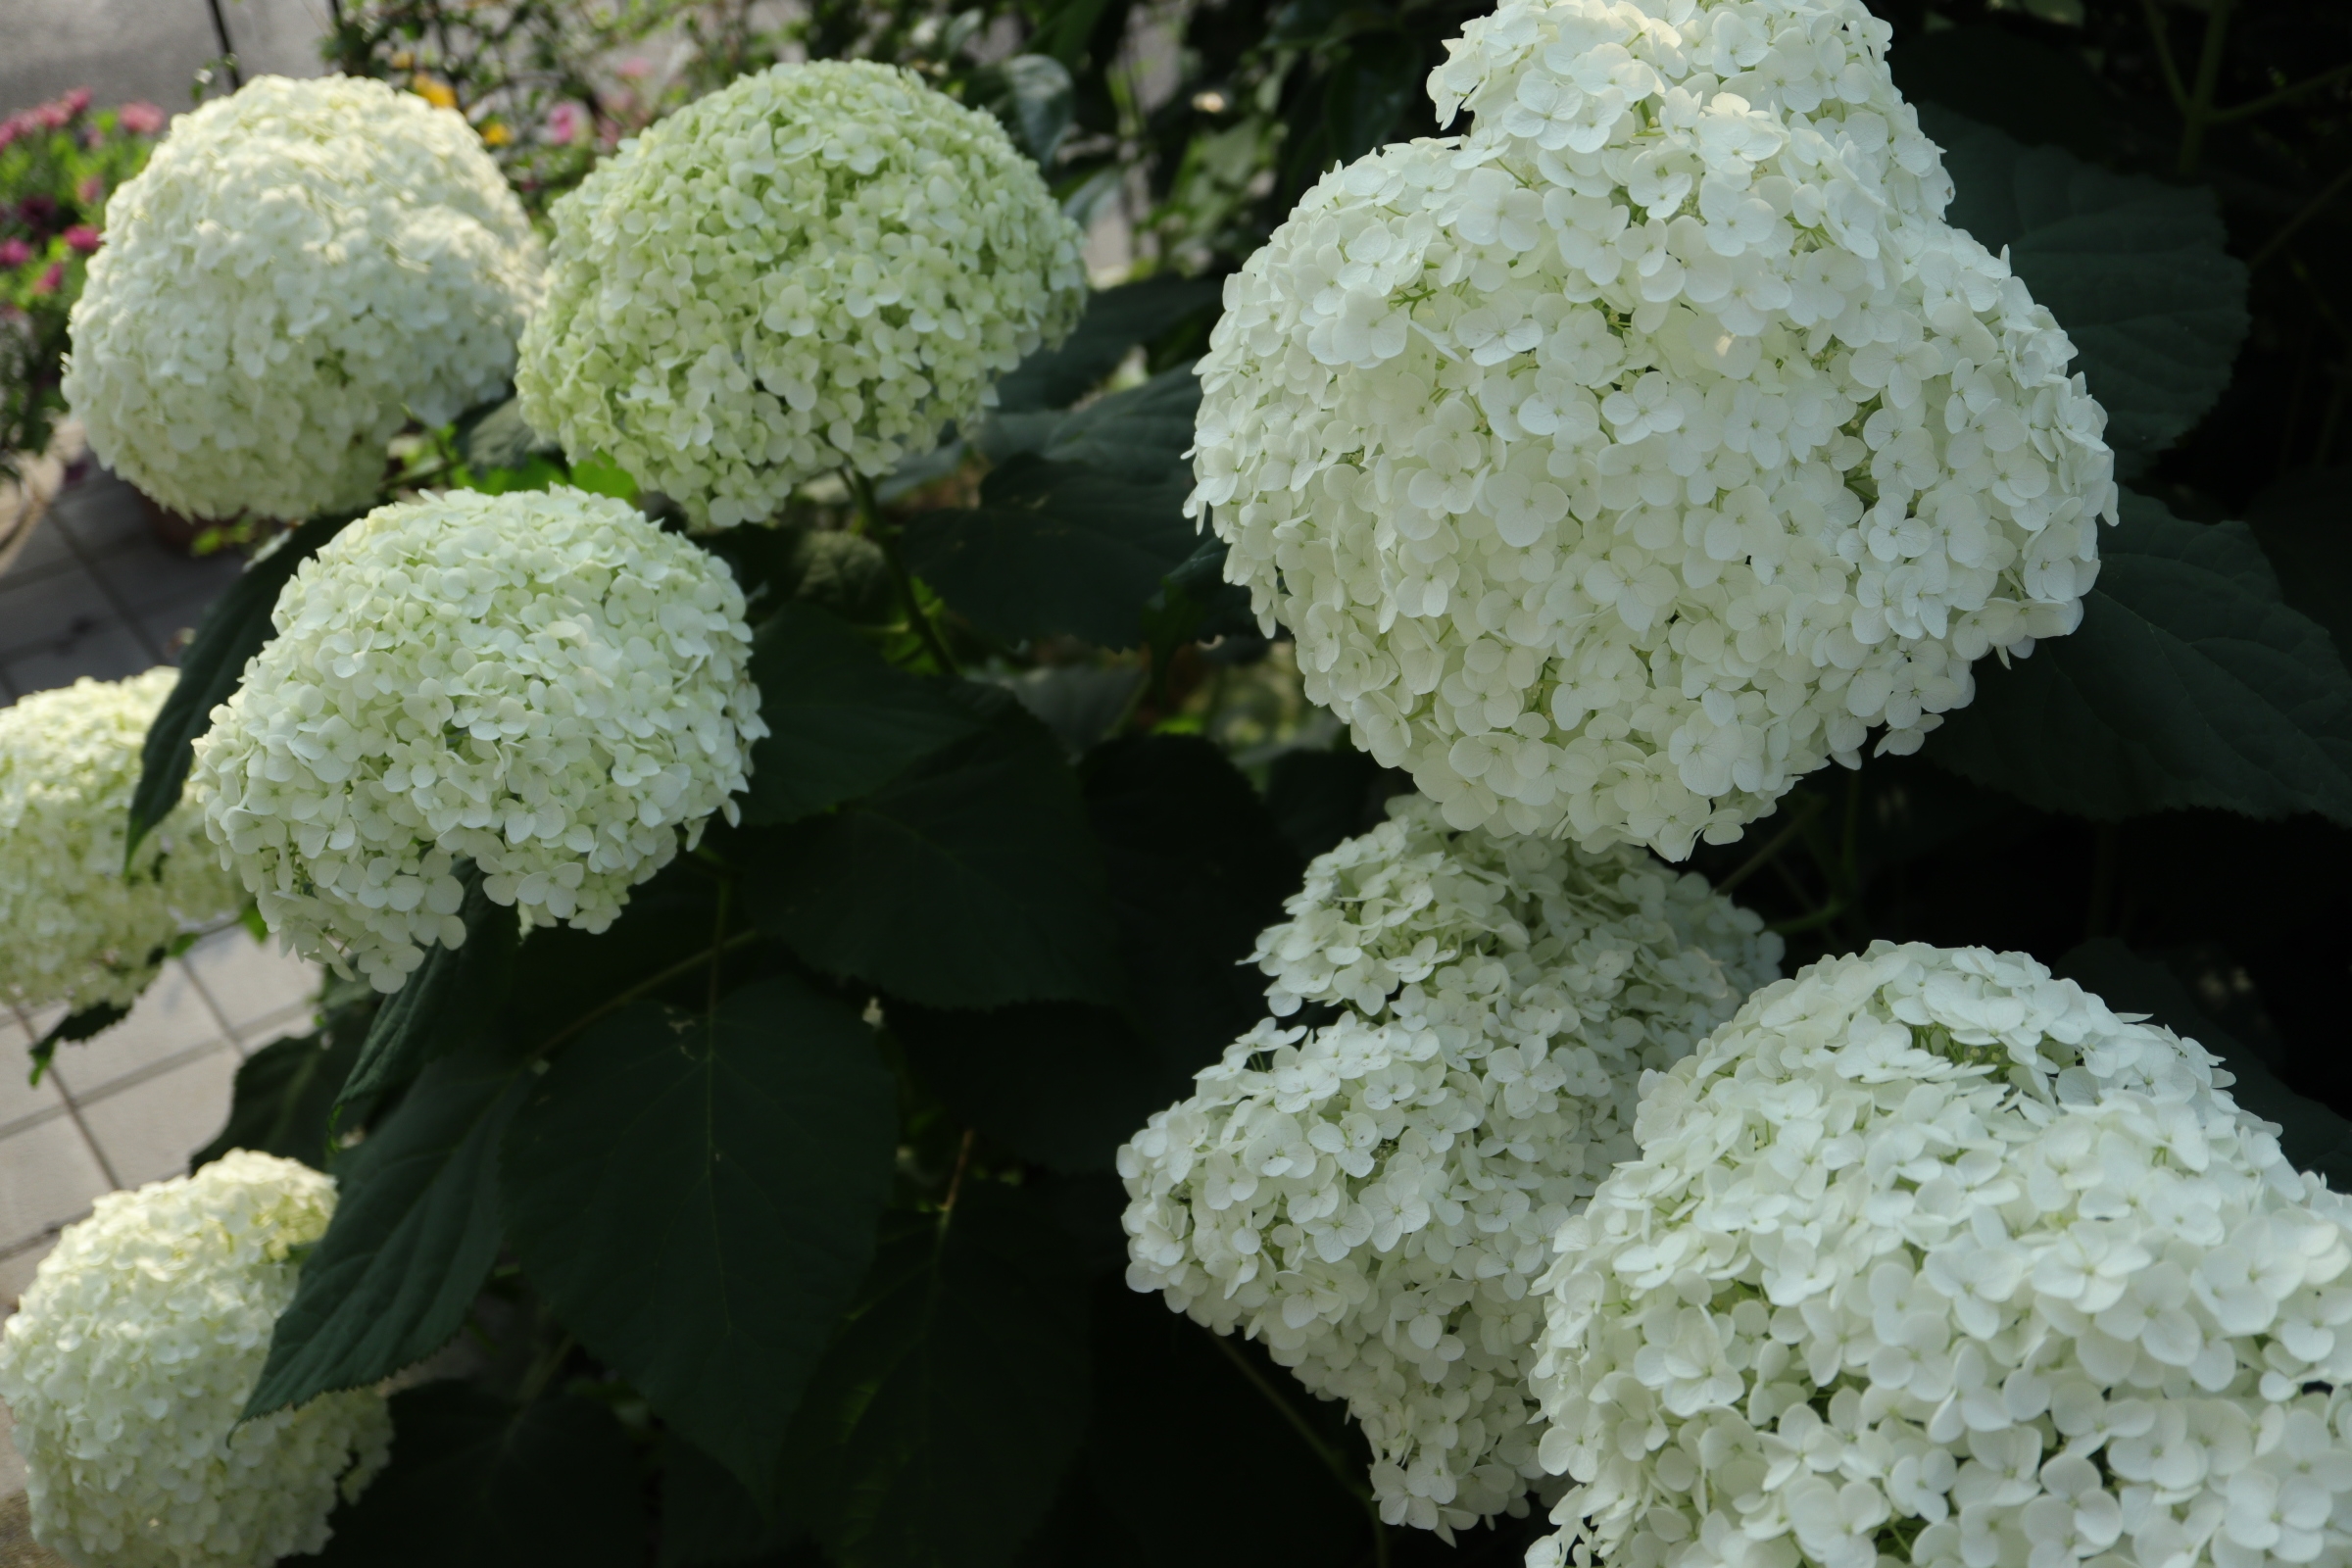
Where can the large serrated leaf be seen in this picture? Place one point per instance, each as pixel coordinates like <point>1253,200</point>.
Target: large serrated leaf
<point>1138,434</point>
<point>475,1483</point>
<point>231,632</point>
<point>2134,269</point>
<point>448,1004</point>
<point>283,1094</point>
<point>968,881</point>
<point>935,1431</point>
<point>697,1196</point>
<point>1116,319</point>
<point>1056,549</point>
<point>2190,682</point>
<point>839,720</point>
<point>414,1232</point>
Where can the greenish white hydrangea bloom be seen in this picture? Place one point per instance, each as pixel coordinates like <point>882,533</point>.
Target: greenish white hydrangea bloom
<point>546,685</point>
<point>132,1356</point>
<point>1624,461</point>
<point>81,930</point>
<point>1374,1197</point>
<point>300,268</point>
<point>815,267</point>
<point>1928,1257</point>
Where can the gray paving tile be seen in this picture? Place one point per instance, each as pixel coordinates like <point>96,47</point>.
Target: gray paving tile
<point>101,513</point>
<point>150,1128</point>
<point>17,1270</point>
<point>107,652</point>
<point>251,983</point>
<point>22,1102</point>
<point>170,627</point>
<point>146,48</point>
<point>49,610</point>
<point>45,550</point>
<point>170,1018</point>
<point>48,1176</point>
<point>145,576</point>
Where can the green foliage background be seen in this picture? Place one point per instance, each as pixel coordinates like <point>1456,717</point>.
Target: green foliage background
<point>737,1269</point>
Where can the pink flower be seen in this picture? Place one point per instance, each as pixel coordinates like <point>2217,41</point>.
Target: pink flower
<point>140,118</point>
<point>564,123</point>
<point>91,192</point>
<point>75,102</point>
<point>48,281</point>
<point>636,66</point>
<point>14,253</point>
<point>82,238</point>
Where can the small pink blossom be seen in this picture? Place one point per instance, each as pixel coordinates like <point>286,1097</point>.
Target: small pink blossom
<point>14,253</point>
<point>140,118</point>
<point>565,124</point>
<point>48,281</point>
<point>82,238</point>
<point>91,192</point>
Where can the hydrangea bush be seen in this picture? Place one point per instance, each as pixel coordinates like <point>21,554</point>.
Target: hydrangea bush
<point>130,1360</point>
<point>773,910</point>
<point>377,268</point>
<point>543,685</point>
<point>1624,461</point>
<point>84,930</point>
<point>1930,1255</point>
<point>813,268</point>
<point>1374,1195</point>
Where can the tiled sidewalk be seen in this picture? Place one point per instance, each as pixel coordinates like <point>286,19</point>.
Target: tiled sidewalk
<point>94,594</point>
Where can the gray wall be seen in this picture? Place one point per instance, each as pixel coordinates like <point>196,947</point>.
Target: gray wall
<point>145,48</point>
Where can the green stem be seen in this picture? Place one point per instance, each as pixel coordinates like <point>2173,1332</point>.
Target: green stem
<point>2284,95</point>
<point>2311,210</point>
<point>963,1158</point>
<point>2164,56</point>
<point>2199,113</point>
<point>869,522</point>
<point>1809,922</point>
<point>719,951</point>
<point>1308,1435</point>
<point>1806,809</point>
<point>535,1382</point>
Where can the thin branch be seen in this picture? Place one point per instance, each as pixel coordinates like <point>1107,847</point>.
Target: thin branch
<point>2209,76</point>
<point>2284,95</point>
<point>2310,210</point>
<point>963,1157</point>
<point>2164,56</point>
<point>1339,1467</point>
<point>1806,809</point>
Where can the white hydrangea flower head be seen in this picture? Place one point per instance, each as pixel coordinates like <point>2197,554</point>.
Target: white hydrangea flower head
<point>132,1356</point>
<point>1374,1197</point>
<point>545,684</point>
<point>815,267</point>
<point>1621,462</point>
<point>300,268</point>
<point>81,931</point>
<point>1929,1257</point>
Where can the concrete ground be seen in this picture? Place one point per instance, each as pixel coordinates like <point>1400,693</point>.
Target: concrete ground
<point>151,49</point>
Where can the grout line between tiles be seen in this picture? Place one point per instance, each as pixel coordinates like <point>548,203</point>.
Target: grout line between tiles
<point>65,1093</point>
<point>120,606</point>
<point>229,1031</point>
<point>154,1069</point>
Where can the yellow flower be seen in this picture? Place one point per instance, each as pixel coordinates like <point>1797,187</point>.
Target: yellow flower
<point>495,134</point>
<point>434,91</point>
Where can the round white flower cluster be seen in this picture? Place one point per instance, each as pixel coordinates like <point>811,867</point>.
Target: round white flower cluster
<point>1929,1257</point>
<point>1621,462</point>
<point>132,1356</point>
<point>544,684</point>
<point>815,267</point>
<point>300,266</point>
<point>1375,1196</point>
<point>82,930</point>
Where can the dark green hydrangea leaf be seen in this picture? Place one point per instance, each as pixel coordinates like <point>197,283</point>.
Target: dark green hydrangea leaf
<point>839,720</point>
<point>476,1483</point>
<point>968,881</point>
<point>1116,319</point>
<point>283,1094</point>
<point>2134,269</point>
<point>937,1428</point>
<point>707,1518</point>
<point>2190,682</point>
<point>1139,433</point>
<point>450,1003</point>
<point>2313,1136</point>
<point>696,1195</point>
<point>231,632</point>
<point>496,436</point>
<point>2305,526</point>
<point>1032,95</point>
<point>1056,548</point>
<point>414,1232</point>
<point>1319,798</point>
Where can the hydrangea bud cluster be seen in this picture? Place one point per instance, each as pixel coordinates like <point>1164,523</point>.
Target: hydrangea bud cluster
<point>545,685</point>
<point>1624,461</point>
<point>132,1356</point>
<point>82,929</point>
<point>1929,1257</point>
<point>813,267</point>
<point>300,266</point>
<point>1374,1197</point>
